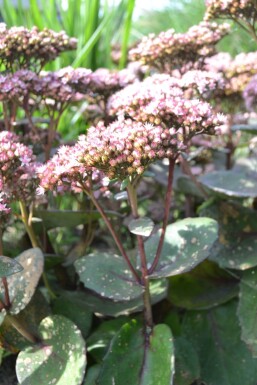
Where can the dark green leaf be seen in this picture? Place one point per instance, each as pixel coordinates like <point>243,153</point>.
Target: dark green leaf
<point>186,186</point>
<point>99,340</point>
<point>202,288</point>
<point>67,218</point>
<point>247,309</point>
<point>92,375</point>
<point>104,306</point>
<point>136,358</point>
<point>237,246</point>
<point>187,366</point>
<point>76,310</point>
<point>215,335</point>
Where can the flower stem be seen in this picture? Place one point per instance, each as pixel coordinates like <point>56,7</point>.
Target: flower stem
<point>145,279</point>
<point>114,235</point>
<point>6,293</point>
<point>34,241</point>
<point>166,216</point>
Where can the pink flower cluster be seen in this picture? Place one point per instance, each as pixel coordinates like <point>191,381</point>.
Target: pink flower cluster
<point>25,83</point>
<point>101,82</point>
<point>236,72</point>
<point>63,172</point>
<point>231,9</point>
<point>126,148</point>
<point>164,103</point>
<point>24,48</point>
<point>204,84</point>
<point>170,50</point>
<point>17,168</point>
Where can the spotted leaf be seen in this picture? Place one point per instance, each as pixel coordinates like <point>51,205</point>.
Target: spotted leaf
<point>9,266</point>
<point>247,309</point>
<point>141,226</point>
<point>23,284</point>
<point>108,275</point>
<point>231,183</point>
<point>186,244</point>
<point>59,359</point>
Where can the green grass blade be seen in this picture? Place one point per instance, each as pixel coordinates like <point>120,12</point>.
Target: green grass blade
<point>36,13</point>
<point>82,55</point>
<point>126,33</point>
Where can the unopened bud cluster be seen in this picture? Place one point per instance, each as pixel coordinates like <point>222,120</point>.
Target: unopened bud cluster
<point>100,82</point>
<point>126,148</point>
<point>24,48</point>
<point>231,9</point>
<point>170,50</point>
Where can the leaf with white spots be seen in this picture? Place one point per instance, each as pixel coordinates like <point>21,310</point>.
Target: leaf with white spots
<point>247,309</point>
<point>141,226</point>
<point>239,254</point>
<point>59,360</point>
<point>9,266</point>
<point>231,183</point>
<point>224,357</point>
<point>138,358</point>
<point>236,246</point>
<point>187,243</point>
<point>22,285</point>
<point>108,275</point>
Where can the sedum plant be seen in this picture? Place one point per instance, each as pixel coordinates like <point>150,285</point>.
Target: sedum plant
<point>153,279</point>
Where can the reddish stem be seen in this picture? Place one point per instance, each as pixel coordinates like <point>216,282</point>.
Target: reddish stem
<point>115,237</point>
<point>166,216</point>
<point>6,293</point>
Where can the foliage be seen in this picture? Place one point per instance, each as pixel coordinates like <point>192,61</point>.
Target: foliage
<point>137,241</point>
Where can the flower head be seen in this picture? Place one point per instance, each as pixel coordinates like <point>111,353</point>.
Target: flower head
<point>230,9</point>
<point>24,48</point>
<point>170,50</point>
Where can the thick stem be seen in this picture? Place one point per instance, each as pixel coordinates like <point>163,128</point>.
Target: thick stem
<point>12,320</point>
<point>166,216</point>
<point>114,235</point>
<point>145,279</point>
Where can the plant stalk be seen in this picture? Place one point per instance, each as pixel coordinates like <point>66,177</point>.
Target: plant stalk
<point>145,279</point>
<point>34,241</point>
<point>114,235</point>
<point>166,216</point>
